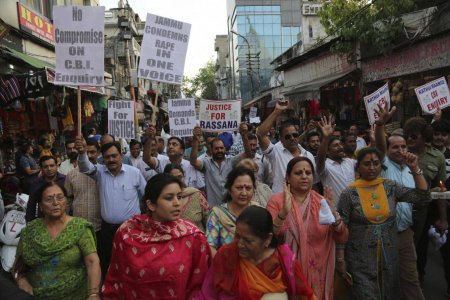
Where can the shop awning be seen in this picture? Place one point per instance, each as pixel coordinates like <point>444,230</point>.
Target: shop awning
<point>251,102</point>
<point>313,86</point>
<point>30,60</point>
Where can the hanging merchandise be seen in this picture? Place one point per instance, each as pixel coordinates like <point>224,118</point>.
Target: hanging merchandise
<point>88,108</point>
<point>50,108</point>
<point>68,120</point>
<point>10,90</point>
<point>36,86</point>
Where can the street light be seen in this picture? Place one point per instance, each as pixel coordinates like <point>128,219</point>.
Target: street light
<point>249,61</point>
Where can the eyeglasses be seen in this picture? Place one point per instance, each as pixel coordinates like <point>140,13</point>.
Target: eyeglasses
<point>289,136</point>
<point>58,198</point>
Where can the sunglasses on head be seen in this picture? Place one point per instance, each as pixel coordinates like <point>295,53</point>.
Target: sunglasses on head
<point>289,136</point>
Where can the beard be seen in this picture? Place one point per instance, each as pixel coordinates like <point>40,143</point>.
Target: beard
<point>72,155</point>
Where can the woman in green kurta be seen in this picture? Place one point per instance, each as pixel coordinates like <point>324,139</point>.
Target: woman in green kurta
<point>56,257</point>
<point>368,207</point>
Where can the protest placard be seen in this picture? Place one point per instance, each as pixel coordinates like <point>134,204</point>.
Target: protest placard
<point>79,45</point>
<point>381,97</point>
<point>163,50</point>
<point>220,115</point>
<point>182,116</point>
<point>121,118</point>
<point>433,95</point>
<point>253,112</point>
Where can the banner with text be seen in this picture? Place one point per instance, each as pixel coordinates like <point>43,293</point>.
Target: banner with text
<point>121,119</point>
<point>182,117</point>
<point>381,97</point>
<point>79,45</point>
<point>220,115</point>
<point>163,50</point>
<point>433,95</point>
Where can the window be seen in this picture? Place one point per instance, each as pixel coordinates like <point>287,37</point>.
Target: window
<point>310,31</point>
<point>268,29</point>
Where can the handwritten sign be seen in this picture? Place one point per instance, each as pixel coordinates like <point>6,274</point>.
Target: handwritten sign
<point>433,95</point>
<point>79,45</point>
<point>379,97</point>
<point>121,118</point>
<point>164,48</point>
<point>218,116</point>
<point>181,116</point>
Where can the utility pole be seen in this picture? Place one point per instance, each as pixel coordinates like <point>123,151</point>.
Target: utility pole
<point>249,61</point>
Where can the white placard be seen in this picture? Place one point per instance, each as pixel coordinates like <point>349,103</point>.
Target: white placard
<point>163,50</point>
<point>381,97</point>
<point>253,112</point>
<point>220,115</point>
<point>255,120</point>
<point>121,118</point>
<point>181,117</point>
<point>79,45</point>
<point>433,95</point>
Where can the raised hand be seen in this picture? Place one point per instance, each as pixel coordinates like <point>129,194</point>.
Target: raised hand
<point>243,129</point>
<point>328,195</point>
<point>384,114</point>
<point>287,205</point>
<point>197,132</point>
<point>150,132</point>
<point>282,104</point>
<point>80,144</point>
<point>326,126</point>
<point>411,160</point>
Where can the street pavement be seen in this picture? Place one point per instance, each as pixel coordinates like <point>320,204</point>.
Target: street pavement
<point>434,286</point>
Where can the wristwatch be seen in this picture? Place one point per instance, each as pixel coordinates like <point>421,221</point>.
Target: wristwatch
<point>418,172</point>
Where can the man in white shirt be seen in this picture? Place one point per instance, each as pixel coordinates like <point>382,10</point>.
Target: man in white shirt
<point>135,153</point>
<point>360,142</point>
<point>282,152</point>
<point>334,169</point>
<point>70,163</point>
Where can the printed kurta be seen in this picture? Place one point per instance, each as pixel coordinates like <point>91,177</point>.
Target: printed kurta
<point>313,244</point>
<point>154,260</point>
<point>372,247</point>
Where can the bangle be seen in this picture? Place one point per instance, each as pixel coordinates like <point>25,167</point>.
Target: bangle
<point>337,222</point>
<point>279,217</point>
<point>93,294</point>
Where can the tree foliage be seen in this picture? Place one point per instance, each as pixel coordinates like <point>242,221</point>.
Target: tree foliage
<point>201,85</point>
<point>372,22</point>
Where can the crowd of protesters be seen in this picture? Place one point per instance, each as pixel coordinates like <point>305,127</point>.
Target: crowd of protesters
<point>271,212</point>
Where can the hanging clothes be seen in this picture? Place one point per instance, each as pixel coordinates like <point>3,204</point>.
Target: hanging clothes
<point>10,90</point>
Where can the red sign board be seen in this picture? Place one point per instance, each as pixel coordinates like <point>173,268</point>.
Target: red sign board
<point>35,24</point>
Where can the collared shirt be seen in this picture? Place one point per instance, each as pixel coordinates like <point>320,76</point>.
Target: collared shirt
<point>65,167</point>
<point>400,174</point>
<point>279,157</point>
<point>135,161</point>
<point>125,160</point>
<point>216,176</point>
<point>360,143</point>
<point>83,191</point>
<point>187,153</point>
<point>192,177</point>
<point>120,194</point>
<point>338,175</point>
<point>264,174</point>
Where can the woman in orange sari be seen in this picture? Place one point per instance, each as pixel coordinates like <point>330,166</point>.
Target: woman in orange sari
<point>254,266</point>
<point>296,219</point>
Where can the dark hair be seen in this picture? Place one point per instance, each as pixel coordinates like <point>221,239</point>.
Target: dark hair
<point>441,126</point>
<point>231,178</point>
<point>135,142</point>
<point>155,186</point>
<point>45,186</point>
<point>286,124</point>
<point>311,134</point>
<point>260,222</point>
<point>251,136</point>
<point>24,148</point>
<point>339,129</point>
<point>183,145</point>
<point>294,161</point>
<point>93,142</point>
<point>45,158</point>
<point>106,147</point>
<point>169,167</point>
<point>365,151</point>
<point>333,138</point>
<point>344,138</point>
<point>69,141</point>
<point>42,140</point>
<point>417,125</point>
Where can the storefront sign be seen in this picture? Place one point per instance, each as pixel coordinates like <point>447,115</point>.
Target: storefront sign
<point>433,95</point>
<point>163,50</point>
<point>428,55</point>
<point>218,116</point>
<point>79,45</point>
<point>121,118</point>
<point>379,97</point>
<point>181,116</point>
<point>35,24</point>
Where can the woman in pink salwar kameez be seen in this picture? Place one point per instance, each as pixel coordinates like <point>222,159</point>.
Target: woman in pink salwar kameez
<point>295,214</point>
